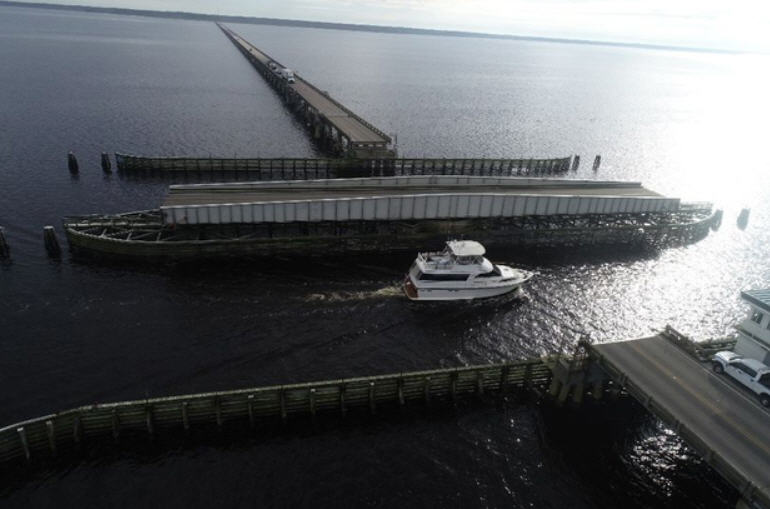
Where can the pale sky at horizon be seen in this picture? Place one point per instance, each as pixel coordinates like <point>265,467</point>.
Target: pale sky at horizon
<point>735,25</point>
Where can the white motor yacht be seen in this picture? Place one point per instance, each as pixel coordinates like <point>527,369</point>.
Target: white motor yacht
<point>460,272</point>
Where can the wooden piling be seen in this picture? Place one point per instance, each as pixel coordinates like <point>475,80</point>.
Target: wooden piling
<point>555,387</point>
<point>218,412</point>
<point>577,393</point>
<point>5,250</point>
<point>480,384</point>
<point>51,242</point>
<point>504,380</point>
<point>311,402</point>
<point>148,421</point>
<point>50,432</point>
<point>743,218</point>
<point>527,376</point>
<point>115,424</point>
<point>372,403</point>
<point>185,416</point>
<point>72,163</point>
<point>251,410</point>
<point>343,409</point>
<point>598,390</point>
<point>24,443</point>
<point>77,430</point>
<point>106,163</point>
<point>282,403</point>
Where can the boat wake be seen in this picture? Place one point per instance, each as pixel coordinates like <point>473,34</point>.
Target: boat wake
<point>382,293</point>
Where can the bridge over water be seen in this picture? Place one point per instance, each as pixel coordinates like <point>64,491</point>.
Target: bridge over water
<point>335,127</point>
<point>665,373</point>
<point>723,423</point>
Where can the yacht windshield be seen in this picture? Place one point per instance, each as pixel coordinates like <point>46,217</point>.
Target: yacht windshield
<point>492,273</point>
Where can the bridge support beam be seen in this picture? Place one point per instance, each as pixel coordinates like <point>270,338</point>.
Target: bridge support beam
<point>571,376</point>
<point>597,390</point>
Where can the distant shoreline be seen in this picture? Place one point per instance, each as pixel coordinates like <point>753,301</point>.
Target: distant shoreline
<point>348,26</point>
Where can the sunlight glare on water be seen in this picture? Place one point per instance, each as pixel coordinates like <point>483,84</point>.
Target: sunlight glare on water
<point>74,332</point>
<point>716,146</point>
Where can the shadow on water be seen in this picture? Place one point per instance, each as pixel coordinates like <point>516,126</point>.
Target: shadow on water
<point>617,443</point>
<point>628,449</point>
<point>395,263</point>
<point>237,436</point>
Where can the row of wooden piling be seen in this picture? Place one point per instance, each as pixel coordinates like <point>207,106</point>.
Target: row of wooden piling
<point>367,167</point>
<point>74,166</point>
<point>50,241</point>
<point>45,437</point>
<point>304,168</point>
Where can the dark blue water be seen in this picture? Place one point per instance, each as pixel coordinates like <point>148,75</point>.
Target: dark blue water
<point>71,332</point>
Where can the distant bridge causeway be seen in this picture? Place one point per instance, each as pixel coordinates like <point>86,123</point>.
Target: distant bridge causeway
<point>335,127</point>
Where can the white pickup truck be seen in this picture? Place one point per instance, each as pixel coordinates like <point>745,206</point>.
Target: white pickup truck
<point>750,372</point>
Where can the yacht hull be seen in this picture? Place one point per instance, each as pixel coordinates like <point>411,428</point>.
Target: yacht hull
<point>434,294</point>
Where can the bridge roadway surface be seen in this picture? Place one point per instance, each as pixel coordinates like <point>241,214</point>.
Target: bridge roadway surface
<point>343,121</point>
<point>204,195</point>
<point>727,418</point>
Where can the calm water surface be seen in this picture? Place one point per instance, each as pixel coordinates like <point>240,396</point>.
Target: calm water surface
<point>72,333</point>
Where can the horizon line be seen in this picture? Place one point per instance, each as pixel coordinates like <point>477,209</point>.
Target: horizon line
<point>358,27</point>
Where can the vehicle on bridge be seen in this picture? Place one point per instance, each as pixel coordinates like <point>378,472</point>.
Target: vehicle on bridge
<point>460,272</point>
<point>288,75</point>
<point>749,372</point>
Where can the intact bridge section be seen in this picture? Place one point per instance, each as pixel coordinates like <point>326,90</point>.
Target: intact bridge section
<point>336,128</point>
<point>670,376</point>
<point>386,214</point>
<point>664,373</point>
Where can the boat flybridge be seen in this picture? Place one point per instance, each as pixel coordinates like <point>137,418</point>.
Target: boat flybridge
<point>460,272</point>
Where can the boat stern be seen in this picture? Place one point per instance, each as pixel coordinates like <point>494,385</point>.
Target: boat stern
<point>410,290</point>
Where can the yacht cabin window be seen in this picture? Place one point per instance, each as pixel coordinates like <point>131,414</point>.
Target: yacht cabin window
<point>423,276</point>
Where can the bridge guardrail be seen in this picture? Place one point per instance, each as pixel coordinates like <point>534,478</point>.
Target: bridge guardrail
<point>700,351</point>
